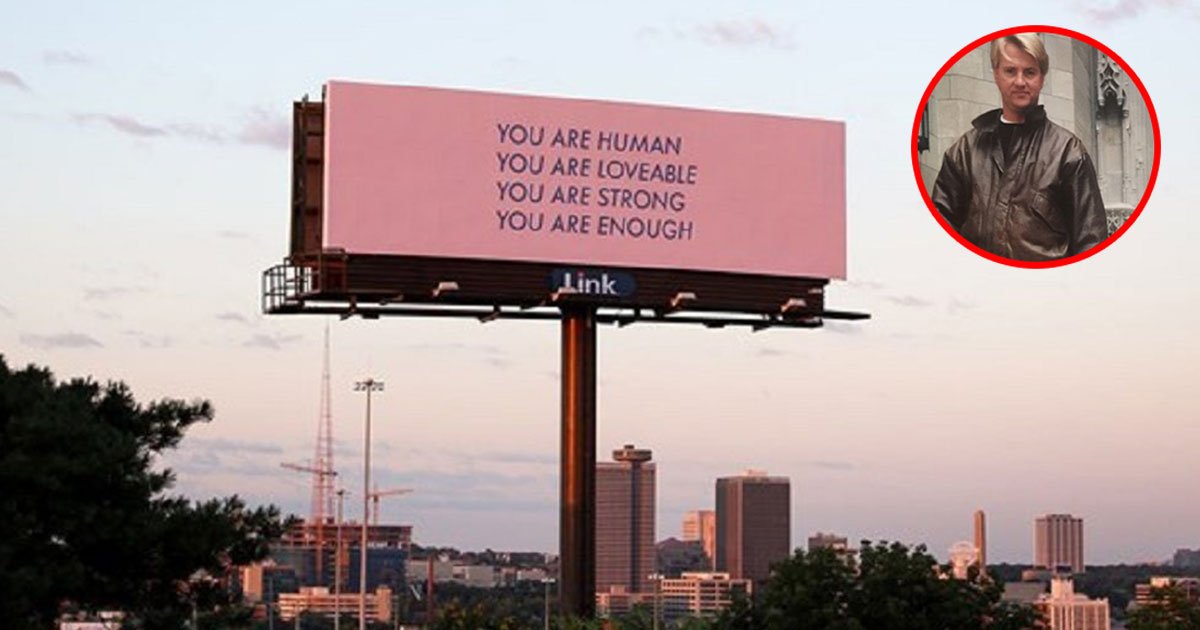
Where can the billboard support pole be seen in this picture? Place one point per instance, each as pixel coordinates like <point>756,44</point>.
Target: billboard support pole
<point>577,501</point>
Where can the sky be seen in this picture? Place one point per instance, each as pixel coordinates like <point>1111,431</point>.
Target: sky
<point>144,187</point>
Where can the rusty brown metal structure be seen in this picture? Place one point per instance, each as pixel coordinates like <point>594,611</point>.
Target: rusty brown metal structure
<point>314,280</point>
<point>577,483</point>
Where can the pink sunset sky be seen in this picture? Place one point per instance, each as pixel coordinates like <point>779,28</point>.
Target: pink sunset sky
<point>144,186</point>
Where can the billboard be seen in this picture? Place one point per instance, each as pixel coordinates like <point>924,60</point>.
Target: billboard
<point>414,171</point>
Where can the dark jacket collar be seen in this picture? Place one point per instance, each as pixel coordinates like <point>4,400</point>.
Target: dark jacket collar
<point>988,121</point>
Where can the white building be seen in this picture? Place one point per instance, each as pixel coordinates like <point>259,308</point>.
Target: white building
<point>318,600</point>
<point>1064,609</point>
<point>477,575</point>
<point>699,594</point>
<point>418,570</point>
<point>963,555</point>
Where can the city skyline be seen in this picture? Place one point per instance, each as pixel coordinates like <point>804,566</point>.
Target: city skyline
<point>146,188</point>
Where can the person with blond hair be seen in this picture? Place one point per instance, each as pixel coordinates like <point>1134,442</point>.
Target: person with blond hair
<point>1017,185</point>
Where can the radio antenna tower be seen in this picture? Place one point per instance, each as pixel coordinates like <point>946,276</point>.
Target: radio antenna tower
<point>322,480</point>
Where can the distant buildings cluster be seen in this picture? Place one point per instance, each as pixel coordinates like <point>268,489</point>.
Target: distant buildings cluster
<point>721,552</point>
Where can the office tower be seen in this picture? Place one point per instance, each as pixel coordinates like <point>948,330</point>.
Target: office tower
<point>981,540</point>
<point>1058,542</point>
<point>753,524</point>
<point>625,521</point>
<point>701,525</point>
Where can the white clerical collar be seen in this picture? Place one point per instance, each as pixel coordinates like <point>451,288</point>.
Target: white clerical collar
<point>1007,121</point>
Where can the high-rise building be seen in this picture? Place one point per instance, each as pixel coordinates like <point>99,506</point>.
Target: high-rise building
<point>625,521</point>
<point>1058,542</point>
<point>701,525</point>
<point>1064,609</point>
<point>753,524</point>
<point>981,540</point>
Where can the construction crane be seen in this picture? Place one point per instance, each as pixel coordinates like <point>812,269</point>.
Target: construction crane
<point>378,494</point>
<point>317,520</point>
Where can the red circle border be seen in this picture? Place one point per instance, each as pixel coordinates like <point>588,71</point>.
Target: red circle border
<point>1037,28</point>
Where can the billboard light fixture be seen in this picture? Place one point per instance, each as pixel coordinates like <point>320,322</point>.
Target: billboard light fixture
<point>352,311</point>
<point>562,292</point>
<point>681,297</point>
<point>793,304</point>
<point>445,286</point>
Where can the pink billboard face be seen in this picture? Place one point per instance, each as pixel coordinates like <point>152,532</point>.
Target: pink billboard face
<point>446,173</point>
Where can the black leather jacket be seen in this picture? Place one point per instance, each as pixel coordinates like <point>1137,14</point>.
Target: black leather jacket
<point>1042,203</point>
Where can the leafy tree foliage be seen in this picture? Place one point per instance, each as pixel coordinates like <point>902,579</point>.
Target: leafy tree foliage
<point>86,521</point>
<point>889,586</point>
<point>1171,610</point>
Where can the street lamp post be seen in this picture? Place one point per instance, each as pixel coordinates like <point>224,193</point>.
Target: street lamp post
<point>369,385</point>
<point>337,566</point>
<point>546,611</point>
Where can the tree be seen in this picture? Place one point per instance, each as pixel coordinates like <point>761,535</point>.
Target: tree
<point>889,586</point>
<point>1170,609</point>
<point>86,521</point>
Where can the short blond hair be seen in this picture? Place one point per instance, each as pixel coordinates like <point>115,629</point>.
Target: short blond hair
<point>1028,42</point>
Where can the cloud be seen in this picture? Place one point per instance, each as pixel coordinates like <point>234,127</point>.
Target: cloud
<point>770,352</point>
<point>490,355</point>
<point>260,128</point>
<point>5,313</point>
<point>473,491</point>
<point>517,457</point>
<point>30,117</point>
<point>843,328</point>
<point>648,33</point>
<point>270,342</point>
<point>223,445</point>
<point>267,129</point>
<point>956,306</point>
<point>233,234</point>
<point>123,124</point>
<point>97,294</point>
<point>196,132</point>
<point>66,58</point>
<point>908,300</point>
<point>146,340</point>
<point>10,78</point>
<point>1130,9</point>
<point>61,340</point>
<point>746,34</point>
<point>233,317</point>
<point>497,362</point>
<point>833,465</point>
<point>869,285</point>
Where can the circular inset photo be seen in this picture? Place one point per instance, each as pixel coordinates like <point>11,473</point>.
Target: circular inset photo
<point>1035,146</point>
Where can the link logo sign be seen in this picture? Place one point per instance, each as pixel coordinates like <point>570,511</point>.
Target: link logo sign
<point>414,171</point>
<point>593,282</point>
